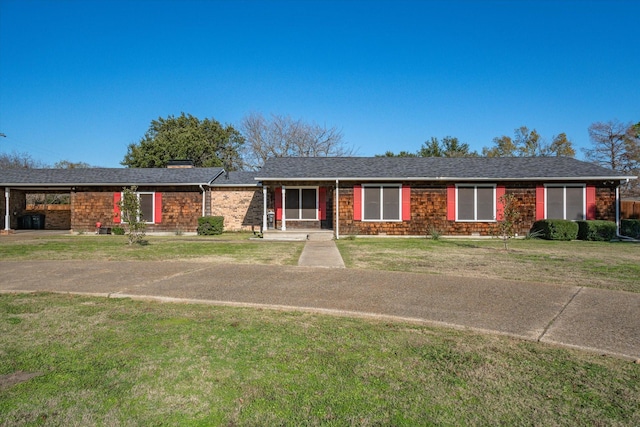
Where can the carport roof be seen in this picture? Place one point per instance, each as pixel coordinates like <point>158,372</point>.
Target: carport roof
<point>433,169</point>
<point>107,176</point>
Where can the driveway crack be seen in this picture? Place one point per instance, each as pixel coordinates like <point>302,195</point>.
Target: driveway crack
<point>552,321</point>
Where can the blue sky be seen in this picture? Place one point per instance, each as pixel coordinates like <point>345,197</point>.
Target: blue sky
<point>81,80</point>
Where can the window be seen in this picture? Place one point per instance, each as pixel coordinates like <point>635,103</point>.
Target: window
<point>475,203</point>
<point>565,202</point>
<point>301,204</point>
<point>381,203</point>
<point>148,206</point>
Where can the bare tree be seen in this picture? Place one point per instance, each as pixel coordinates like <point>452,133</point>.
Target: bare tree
<point>282,136</point>
<point>616,145</point>
<point>19,160</point>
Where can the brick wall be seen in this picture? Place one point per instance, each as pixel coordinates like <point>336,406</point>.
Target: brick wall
<point>241,207</point>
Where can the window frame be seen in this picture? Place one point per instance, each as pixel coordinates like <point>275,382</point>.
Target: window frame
<point>475,187</point>
<point>300,205</point>
<point>381,201</point>
<point>153,206</point>
<point>564,200</point>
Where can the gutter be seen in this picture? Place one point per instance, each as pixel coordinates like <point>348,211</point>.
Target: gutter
<point>451,178</point>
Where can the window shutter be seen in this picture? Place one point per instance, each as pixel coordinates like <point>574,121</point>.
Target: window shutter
<point>116,208</point>
<point>357,202</point>
<point>278,203</point>
<point>539,202</point>
<point>500,191</point>
<point>322,203</point>
<point>157,214</point>
<point>591,202</point>
<point>451,203</point>
<point>406,203</point>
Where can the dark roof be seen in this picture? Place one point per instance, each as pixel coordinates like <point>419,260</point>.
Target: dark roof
<point>432,168</point>
<point>236,179</point>
<point>108,176</point>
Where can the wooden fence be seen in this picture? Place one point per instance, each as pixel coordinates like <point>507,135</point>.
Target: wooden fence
<point>630,209</point>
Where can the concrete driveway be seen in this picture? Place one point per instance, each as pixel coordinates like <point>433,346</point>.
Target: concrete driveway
<point>602,321</point>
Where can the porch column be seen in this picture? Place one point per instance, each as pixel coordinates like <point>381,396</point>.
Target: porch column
<point>284,216</point>
<point>264,208</point>
<point>337,209</point>
<point>7,216</point>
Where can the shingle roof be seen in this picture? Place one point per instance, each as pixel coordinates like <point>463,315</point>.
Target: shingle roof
<point>432,168</point>
<point>236,179</point>
<point>108,176</point>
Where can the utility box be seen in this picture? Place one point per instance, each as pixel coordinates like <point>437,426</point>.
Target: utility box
<point>271,218</point>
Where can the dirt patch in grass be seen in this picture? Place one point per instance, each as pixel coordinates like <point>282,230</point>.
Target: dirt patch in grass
<point>10,380</point>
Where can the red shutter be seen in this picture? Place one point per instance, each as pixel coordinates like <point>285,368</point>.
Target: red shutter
<point>158,208</point>
<point>406,203</point>
<point>278,203</point>
<point>116,208</point>
<point>322,203</point>
<point>539,202</point>
<point>591,202</point>
<point>357,202</point>
<point>451,203</point>
<point>500,191</point>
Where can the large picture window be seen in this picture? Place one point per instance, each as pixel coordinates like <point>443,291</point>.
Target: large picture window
<point>565,202</point>
<point>301,204</point>
<point>382,203</point>
<point>147,208</point>
<point>475,202</point>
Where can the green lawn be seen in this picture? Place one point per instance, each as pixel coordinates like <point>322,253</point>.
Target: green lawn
<point>579,263</point>
<point>89,361</point>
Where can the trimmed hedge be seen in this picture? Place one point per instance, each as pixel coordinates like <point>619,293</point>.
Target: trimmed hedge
<point>210,225</point>
<point>596,230</point>
<point>630,228</point>
<point>555,229</point>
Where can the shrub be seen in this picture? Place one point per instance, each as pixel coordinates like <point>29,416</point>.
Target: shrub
<point>555,229</point>
<point>210,225</point>
<point>596,230</point>
<point>119,231</point>
<point>630,228</point>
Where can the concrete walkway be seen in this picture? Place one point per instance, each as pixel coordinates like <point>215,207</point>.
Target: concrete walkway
<point>321,254</point>
<point>606,322</point>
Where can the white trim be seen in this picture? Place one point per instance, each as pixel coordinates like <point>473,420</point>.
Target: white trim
<point>336,203</point>
<point>381,186</point>
<point>7,215</point>
<point>475,202</point>
<point>153,206</point>
<point>264,208</point>
<point>283,227</point>
<point>564,199</point>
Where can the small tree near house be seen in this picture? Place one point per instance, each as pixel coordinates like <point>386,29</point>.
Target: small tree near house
<point>131,215</point>
<point>510,214</point>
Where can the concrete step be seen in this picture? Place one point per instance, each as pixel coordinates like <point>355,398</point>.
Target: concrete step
<point>298,235</point>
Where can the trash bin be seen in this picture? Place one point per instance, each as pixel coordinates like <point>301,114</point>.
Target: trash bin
<point>37,222</point>
<point>271,216</point>
<point>24,222</point>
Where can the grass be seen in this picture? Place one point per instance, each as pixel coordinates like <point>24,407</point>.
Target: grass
<point>593,264</point>
<point>229,247</point>
<point>121,362</point>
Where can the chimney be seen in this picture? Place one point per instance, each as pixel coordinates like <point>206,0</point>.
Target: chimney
<point>180,164</point>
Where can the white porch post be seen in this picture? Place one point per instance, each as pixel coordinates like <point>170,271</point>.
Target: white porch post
<point>7,216</point>
<point>337,205</point>
<point>264,208</point>
<point>284,216</point>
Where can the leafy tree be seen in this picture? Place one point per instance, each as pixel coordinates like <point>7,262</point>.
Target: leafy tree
<point>561,146</point>
<point>506,226</point>
<point>282,136</point>
<point>19,160</point>
<point>529,143</point>
<point>448,147</point>
<point>131,215</point>
<point>66,164</point>
<point>206,142</point>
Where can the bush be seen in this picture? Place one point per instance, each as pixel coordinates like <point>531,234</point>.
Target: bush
<point>555,229</point>
<point>630,228</point>
<point>596,230</point>
<point>210,225</point>
<point>119,231</point>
